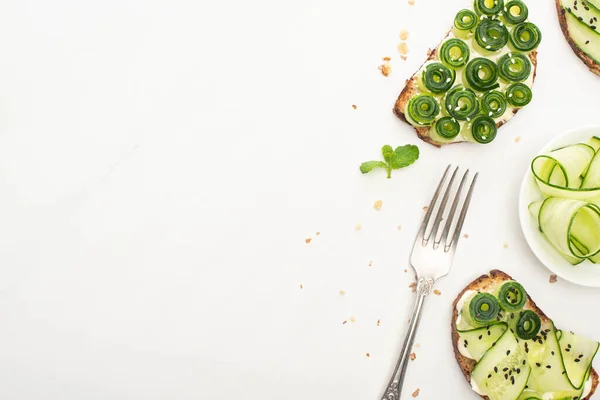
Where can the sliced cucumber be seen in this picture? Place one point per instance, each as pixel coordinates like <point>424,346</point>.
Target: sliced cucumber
<point>530,395</point>
<point>559,172</point>
<point>586,39</point>
<point>583,10</point>
<point>578,353</point>
<point>547,365</point>
<point>571,226</point>
<point>592,175</point>
<point>595,142</point>
<point>477,341</point>
<point>502,373</point>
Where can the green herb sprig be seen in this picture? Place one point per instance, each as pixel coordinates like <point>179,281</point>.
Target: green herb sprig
<point>401,157</point>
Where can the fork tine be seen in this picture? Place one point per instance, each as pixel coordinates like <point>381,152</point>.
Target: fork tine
<point>440,213</point>
<point>432,204</point>
<point>463,214</point>
<point>452,212</point>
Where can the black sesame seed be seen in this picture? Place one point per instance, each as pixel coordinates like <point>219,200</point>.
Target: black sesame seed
<point>493,344</point>
<point>489,333</point>
<point>587,42</point>
<point>548,366</point>
<point>496,369</point>
<point>579,18</point>
<point>504,369</point>
<point>505,376</point>
<point>581,355</point>
<point>569,346</point>
<point>489,376</point>
<point>538,364</point>
<point>567,350</point>
<point>512,315</point>
<point>591,21</point>
<point>575,8</point>
<point>577,360</point>
<point>518,370</point>
<point>593,27</point>
<point>507,352</point>
<point>480,336</point>
<point>564,372</point>
<point>552,352</point>
<point>569,9</point>
<point>524,361</point>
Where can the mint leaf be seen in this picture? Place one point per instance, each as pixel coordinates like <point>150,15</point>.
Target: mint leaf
<point>371,165</point>
<point>404,156</point>
<point>388,153</point>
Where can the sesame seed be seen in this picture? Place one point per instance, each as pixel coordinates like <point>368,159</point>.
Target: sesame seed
<point>538,364</point>
<point>548,366</point>
<point>504,369</point>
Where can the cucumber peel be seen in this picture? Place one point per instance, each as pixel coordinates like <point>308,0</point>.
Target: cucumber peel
<point>569,216</point>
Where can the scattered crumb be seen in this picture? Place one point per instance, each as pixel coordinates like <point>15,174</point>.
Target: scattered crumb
<point>345,322</point>
<point>378,205</point>
<point>318,233</point>
<point>413,356</point>
<point>413,286</point>
<point>553,279</point>
<point>466,236</point>
<point>354,106</point>
<point>387,59</point>
<point>403,34</point>
<point>402,48</point>
<point>370,263</point>
<point>425,208</point>
<point>342,293</point>
<point>437,292</point>
<point>506,245</point>
<point>368,355</point>
<point>416,392</point>
<point>385,68</point>
<point>308,240</point>
<point>417,345</point>
<point>378,322</point>
<point>405,270</point>
<point>358,227</point>
<point>429,52</point>
<point>517,139</point>
<point>403,57</point>
<point>301,287</point>
<point>352,319</point>
<point>399,227</point>
<point>411,2</point>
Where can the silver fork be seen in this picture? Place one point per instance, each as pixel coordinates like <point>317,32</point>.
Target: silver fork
<point>431,261</point>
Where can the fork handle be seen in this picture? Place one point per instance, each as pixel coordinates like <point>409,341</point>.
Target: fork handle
<point>394,388</point>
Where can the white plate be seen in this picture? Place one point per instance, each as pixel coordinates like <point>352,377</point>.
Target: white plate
<point>586,273</point>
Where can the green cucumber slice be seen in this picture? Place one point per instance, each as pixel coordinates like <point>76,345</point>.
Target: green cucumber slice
<point>502,372</point>
<point>578,353</point>
<point>559,172</point>
<point>530,395</point>
<point>477,341</point>
<point>547,365</point>
<point>582,10</point>
<point>595,142</point>
<point>571,226</point>
<point>592,176</point>
<point>586,39</point>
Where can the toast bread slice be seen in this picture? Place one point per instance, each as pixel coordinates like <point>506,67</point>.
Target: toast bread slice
<point>484,282</point>
<point>411,88</point>
<point>562,20</point>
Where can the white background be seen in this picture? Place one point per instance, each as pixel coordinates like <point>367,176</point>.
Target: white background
<point>163,161</point>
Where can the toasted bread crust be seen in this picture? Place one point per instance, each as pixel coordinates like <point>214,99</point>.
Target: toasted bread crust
<point>482,283</point>
<point>562,20</point>
<point>410,90</point>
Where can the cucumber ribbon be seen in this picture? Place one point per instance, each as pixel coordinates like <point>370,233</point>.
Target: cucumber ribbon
<point>569,214</point>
